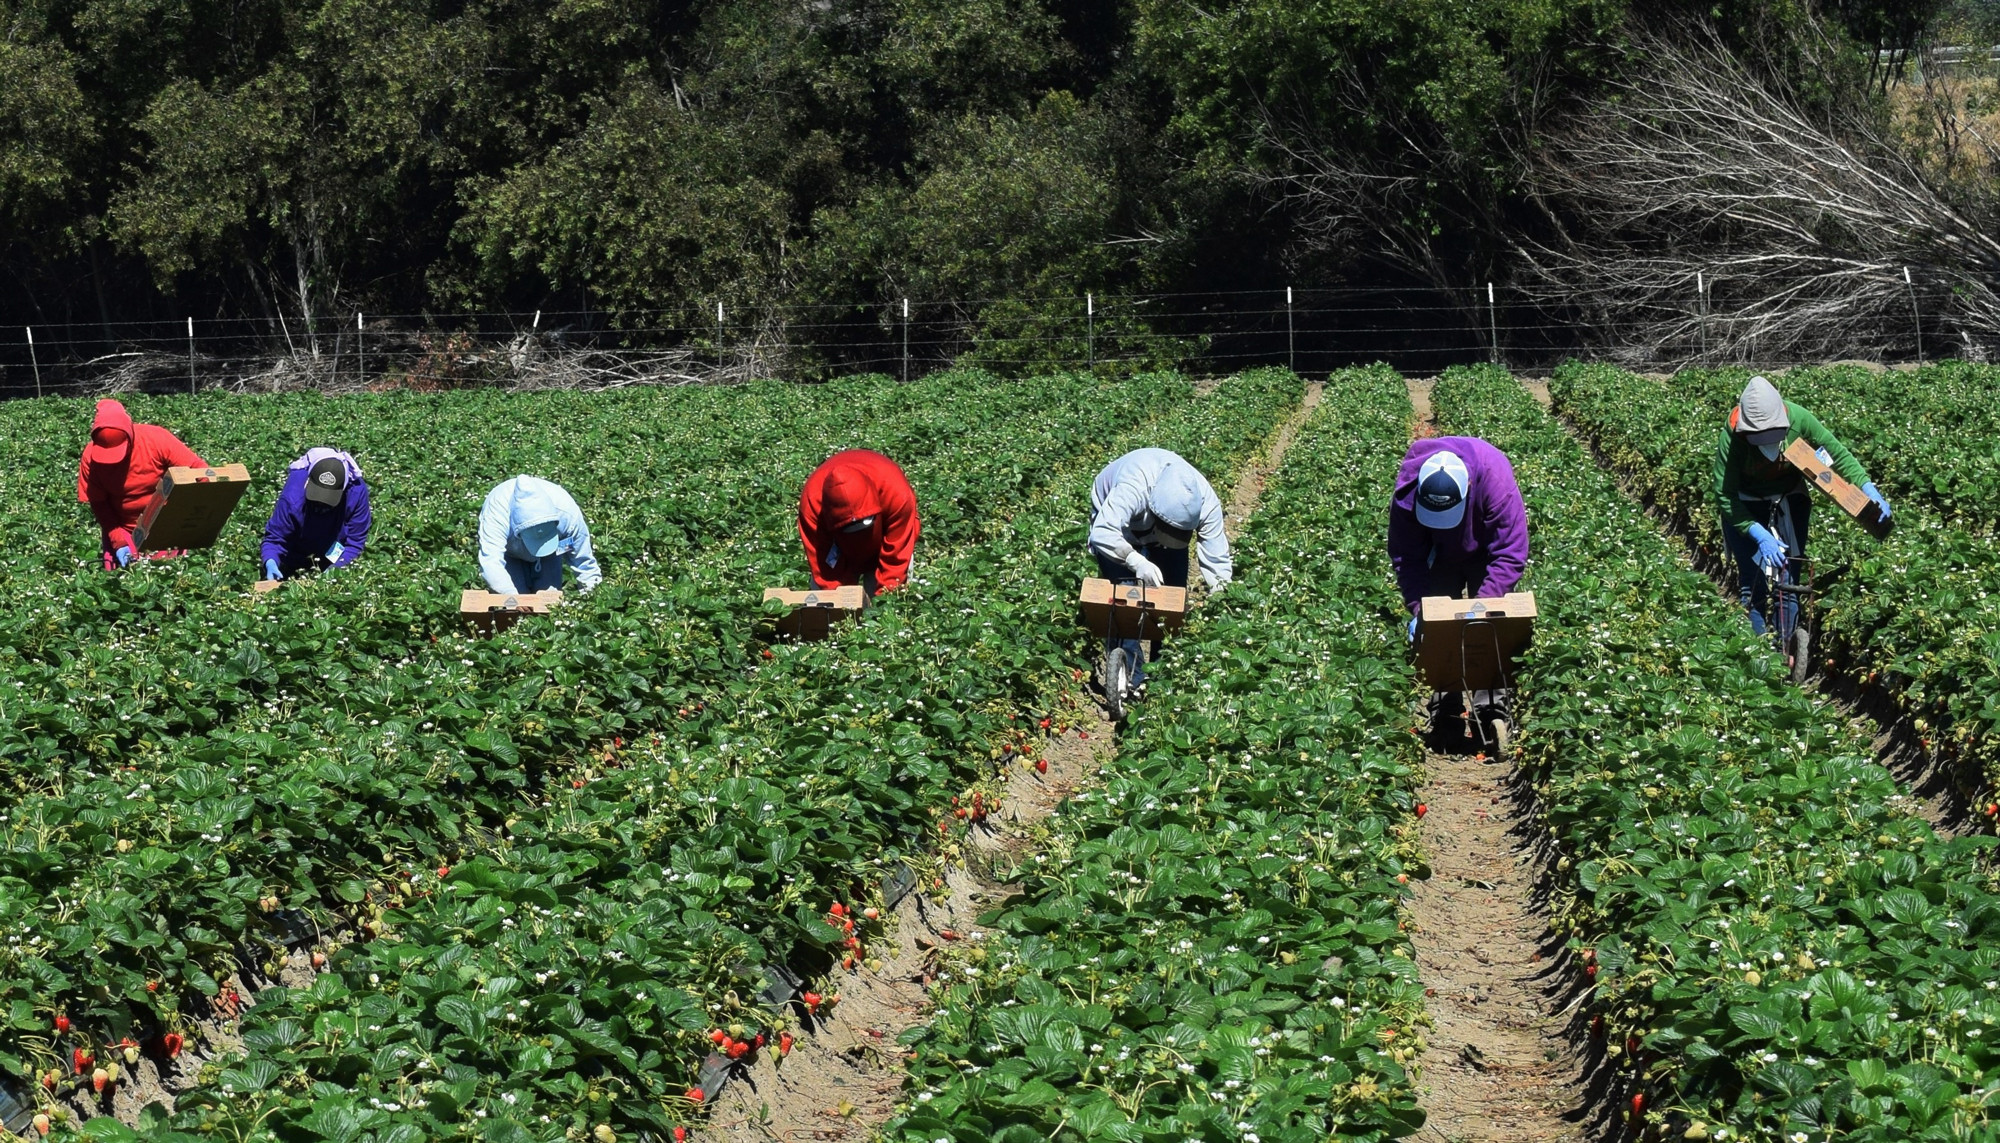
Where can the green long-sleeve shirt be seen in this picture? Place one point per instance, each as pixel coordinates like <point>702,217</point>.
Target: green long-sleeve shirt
<point>1741,468</point>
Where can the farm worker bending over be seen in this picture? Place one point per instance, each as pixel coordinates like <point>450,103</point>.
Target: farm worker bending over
<point>1752,477</point>
<point>524,526</point>
<point>1146,509</point>
<point>321,518</point>
<point>121,469</point>
<point>1457,528</point>
<point>858,520</point>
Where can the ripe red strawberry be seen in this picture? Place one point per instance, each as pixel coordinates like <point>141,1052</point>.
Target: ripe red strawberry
<point>811,999</point>
<point>948,934</point>
<point>1041,765</point>
<point>959,813</point>
<point>152,986</point>
<point>172,1043</point>
<point>758,1042</point>
<point>1045,724</point>
<point>718,1036</point>
<point>1590,970</point>
<point>737,1049</point>
<point>444,871</point>
<point>82,1058</point>
<point>694,1094</point>
<point>62,1023</point>
<point>680,1135</point>
<point>837,909</point>
<point>785,1044</point>
<point>1422,809</point>
<point>847,962</point>
<point>1638,1103</point>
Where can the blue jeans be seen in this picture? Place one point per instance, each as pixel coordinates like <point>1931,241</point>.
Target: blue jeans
<point>531,576</point>
<point>1173,565</point>
<point>1754,586</point>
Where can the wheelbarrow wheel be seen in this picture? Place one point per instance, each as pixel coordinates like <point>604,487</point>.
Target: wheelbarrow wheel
<point>1503,737</point>
<point>1801,653</point>
<point>1117,673</point>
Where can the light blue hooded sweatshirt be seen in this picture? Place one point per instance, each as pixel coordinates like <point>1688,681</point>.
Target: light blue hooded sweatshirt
<point>522,503</point>
<point>1146,488</point>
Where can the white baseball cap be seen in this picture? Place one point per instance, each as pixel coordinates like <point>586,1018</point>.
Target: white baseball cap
<point>1441,486</point>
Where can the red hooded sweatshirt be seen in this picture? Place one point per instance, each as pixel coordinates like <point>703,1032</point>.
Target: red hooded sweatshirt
<point>850,486</point>
<point>121,469</point>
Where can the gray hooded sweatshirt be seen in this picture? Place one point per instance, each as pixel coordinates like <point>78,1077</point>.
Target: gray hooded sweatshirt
<point>1147,487</point>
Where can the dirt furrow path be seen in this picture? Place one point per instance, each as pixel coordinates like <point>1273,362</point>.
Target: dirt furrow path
<point>844,1077</point>
<point>1499,1068</point>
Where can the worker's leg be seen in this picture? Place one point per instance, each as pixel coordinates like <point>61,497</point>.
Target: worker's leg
<point>1118,573</point>
<point>1800,505</point>
<point>1753,588</point>
<point>1173,565</point>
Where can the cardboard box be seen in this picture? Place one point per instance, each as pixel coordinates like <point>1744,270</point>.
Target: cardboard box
<point>1852,500</point>
<point>491,612</point>
<point>813,614</point>
<point>1472,644</point>
<point>190,507</point>
<point>1130,611</point>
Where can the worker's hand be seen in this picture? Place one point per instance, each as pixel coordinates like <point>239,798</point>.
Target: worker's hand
<point>334,553</point>
<point>1146,570</point>
<point>1871,492</point>
<point>271,570</point>
<point>1412,636</point>
<point>123,555</point>
<point>1215,590</point>
<point>1770,549</point>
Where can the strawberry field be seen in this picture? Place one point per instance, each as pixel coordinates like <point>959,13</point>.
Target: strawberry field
<point>319,865</point>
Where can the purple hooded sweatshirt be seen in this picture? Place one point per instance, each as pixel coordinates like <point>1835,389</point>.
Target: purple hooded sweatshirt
<point>298,534</point>
<point>1493,536</point>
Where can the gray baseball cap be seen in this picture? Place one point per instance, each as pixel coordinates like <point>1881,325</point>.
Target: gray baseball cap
<point>1760,413</point>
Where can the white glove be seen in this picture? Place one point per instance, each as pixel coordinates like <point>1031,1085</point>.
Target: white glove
<point>1147,571</point>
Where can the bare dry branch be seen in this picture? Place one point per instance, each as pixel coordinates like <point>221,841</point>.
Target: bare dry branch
<point>1691,169</point>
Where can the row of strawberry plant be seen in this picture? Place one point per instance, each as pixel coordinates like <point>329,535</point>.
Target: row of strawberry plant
<point>1912,619</point>
<point>1775,944</point>
<point>600,923</point>
<point>345,798</point>
<point>1210,947</point>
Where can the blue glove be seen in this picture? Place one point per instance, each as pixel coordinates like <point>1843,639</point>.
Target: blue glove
<point>271,570</point>
<point>1770,549</point>
<point>1871,492</point>
<point>334,553</point>
<point>1413,629</point>
<point>123,555</point>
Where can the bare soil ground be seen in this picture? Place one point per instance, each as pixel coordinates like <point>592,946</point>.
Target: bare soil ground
<point>1500,1068</point>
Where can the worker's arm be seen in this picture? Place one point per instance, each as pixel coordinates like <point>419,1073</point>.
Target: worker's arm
<point>1212,546</point>
<point>1816,434</point>
<point>899,543</point>
<point>579,557</point>
<point>354,531</point>
<point>1107,525</point>
<point>1726,478</point>
<point>1507,521</point>
<point>493,520</point>
<point>1410,546</point>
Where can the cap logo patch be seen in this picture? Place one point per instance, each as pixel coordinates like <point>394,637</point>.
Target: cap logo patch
<point>326,478</point>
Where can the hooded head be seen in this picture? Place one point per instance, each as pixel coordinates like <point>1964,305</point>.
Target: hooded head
<point>848,498</point>
<point>1442,486</point>
<point>110,435</point>
<point>536,521</point>
<point>1760,417</point>
<point>1176,498</point>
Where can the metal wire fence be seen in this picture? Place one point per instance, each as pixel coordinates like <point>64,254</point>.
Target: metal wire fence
<point>1313,330</point>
